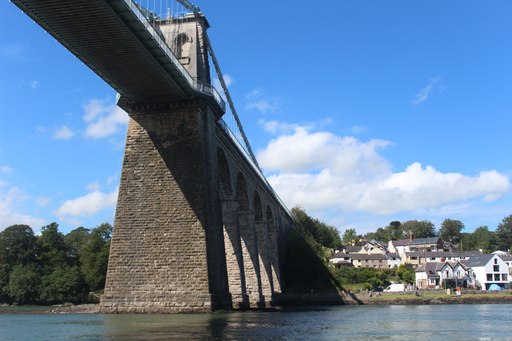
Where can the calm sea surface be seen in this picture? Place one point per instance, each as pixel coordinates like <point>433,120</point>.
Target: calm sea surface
<point>427,322</point>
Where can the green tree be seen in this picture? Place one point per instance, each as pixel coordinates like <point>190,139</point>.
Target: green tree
<point>484,239</point>
<point>64,284</point>
<point>350,237</point>
<point>451,230</point>
<point>420,229</point>
<point>323,234</point>
<point>395,230</point>
<point>24,284</point>
<point>468,242</point>
<point>405,273</point>
<point>94,256</point>
<point>4,282</point>
<point>504,234</point>
<point>17,245</point>
<point>75,242</point>
<point>52,249</point>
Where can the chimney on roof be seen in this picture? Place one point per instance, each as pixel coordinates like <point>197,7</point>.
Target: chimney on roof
<point>410,235</point>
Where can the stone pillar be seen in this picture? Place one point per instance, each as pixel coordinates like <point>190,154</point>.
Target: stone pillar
<point>167,252</point>
<point>234,256</point>
<point>273,257</point>
<point>264,261</point>
<point>251,259</point>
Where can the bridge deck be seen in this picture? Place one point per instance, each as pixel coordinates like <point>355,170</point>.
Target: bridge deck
<point>113,38</point>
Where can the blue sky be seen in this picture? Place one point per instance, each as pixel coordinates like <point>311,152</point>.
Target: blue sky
<point>362,112</point>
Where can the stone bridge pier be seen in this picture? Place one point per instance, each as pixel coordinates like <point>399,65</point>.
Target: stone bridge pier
<point>196,226</point>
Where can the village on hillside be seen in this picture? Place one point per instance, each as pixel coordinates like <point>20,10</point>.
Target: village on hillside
<point>437,265</point>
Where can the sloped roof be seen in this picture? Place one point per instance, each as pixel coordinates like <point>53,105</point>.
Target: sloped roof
<point>364,256</point>
<point>430,267</point>
<point>506,258</point>
<point>417,241</point>
<point>480,260</point>
<point>442,254</point>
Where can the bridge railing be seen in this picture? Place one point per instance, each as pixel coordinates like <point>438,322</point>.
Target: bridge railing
<point>255,167</point>
<point>209,89</point>
<point>147,20</point>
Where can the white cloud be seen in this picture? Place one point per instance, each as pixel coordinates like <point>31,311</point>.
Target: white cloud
<point>259,101</point>
<point>228,80</point>
<point>93,186</point>
<point>5,169</point>
<point>323,171</point>
<point>276,127</point>
<point>63,133</point>
<point>103,120</point>
<point>34,84</point>
<point>87,205</point>
<point>10,199</point>
<point>423,93</point>
<point>43,201</point>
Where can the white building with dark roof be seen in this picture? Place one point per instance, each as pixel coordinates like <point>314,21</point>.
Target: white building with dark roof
<point>489,270</point>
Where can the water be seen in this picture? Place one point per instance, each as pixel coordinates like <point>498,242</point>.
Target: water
<point>424,322</point>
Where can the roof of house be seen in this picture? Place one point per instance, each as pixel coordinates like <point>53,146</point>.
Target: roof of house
<point>480,260</point>
<point>430,268</point>
<point>365,256</point>
<point>445,254</point>
<point>506,258</point>
<point>340,254</point>
<point>351,249</point>
<point>392,255</point>
<point>417,241</point>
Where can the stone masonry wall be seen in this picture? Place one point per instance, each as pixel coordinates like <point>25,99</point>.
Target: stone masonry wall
<point>167,251</point>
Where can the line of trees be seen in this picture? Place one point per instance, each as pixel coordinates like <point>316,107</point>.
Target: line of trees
<point>52,267</point>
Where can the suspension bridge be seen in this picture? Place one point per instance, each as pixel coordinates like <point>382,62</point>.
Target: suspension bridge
<point>197,226</point>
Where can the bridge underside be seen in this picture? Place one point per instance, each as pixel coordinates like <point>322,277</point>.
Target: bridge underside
<point>197,227</point>
<point>111,40</point>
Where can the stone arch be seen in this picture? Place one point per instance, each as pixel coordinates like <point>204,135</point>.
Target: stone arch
<point>274,272</point>
<point>258,210</point>
<point>224,174</point>
<point>182,43</point>
<point>241,191</point>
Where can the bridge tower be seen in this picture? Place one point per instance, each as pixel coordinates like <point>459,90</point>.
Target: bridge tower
<point>167,252</point>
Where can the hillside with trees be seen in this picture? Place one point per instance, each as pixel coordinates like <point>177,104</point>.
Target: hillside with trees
<point>52,267</point>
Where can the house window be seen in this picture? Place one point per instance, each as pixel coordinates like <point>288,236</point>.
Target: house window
<point>496,277</point>
<point>504,277</point>
<point>458,273</point>
<point>432,258</point>
<point>496,268</point>
<point>495,261</point>
<point>489,277</point>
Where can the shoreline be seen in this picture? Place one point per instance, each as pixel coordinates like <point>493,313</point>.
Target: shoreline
<point>312,300</point>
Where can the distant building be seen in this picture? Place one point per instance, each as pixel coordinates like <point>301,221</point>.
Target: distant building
<point>489,270</point>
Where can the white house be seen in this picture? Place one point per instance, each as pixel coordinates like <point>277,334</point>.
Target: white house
<point>489,270</point>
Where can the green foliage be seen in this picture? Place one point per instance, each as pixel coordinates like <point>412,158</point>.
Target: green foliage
<point>75,242</point>
<point>350,237</point>
<point>94,256</point>
<point>451,230</point>
<point>17,245</point>
<point>405,273</point>
<point>63,285</point>
<point>370,277</point>
<point>52,268</point>
<point>322,234</point>
<point>52,249</point>
<point>393,231</point>
<point>24,282</point>
<point>504,234</point>
<point>419,229</point>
